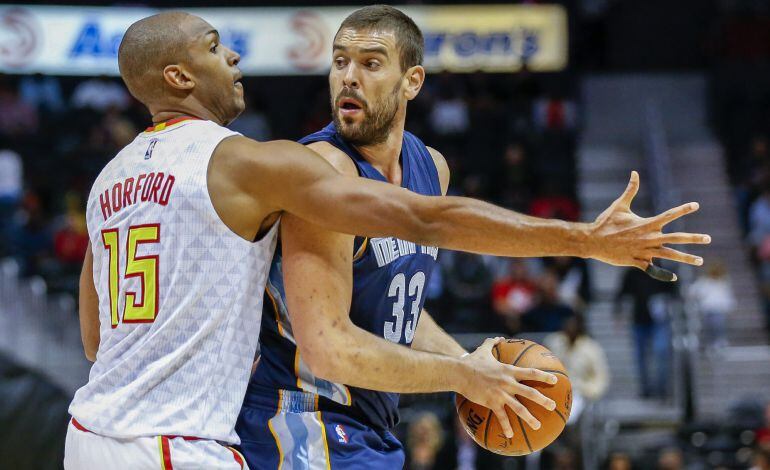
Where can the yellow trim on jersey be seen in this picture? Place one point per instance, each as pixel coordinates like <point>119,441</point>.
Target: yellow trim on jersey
<point>326,443</point>
<point>275,309</point>
<point>361,250</point>
<point>272,431</point>
<point>167,124</point>
<point>296,368</point>
<point>160,452</point>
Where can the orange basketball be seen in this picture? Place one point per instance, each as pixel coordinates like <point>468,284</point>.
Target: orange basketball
<point>482,424</point>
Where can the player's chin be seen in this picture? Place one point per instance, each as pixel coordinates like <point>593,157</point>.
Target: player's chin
<point>239,105</point>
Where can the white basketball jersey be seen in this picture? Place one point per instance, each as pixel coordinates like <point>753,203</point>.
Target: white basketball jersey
<point>180,294</point>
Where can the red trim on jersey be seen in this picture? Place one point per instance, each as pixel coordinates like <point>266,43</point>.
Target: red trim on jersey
<point>186,438</point>
<point>79,426</point>
<point>166,449</point>
<point>237,457</point>
<point>163,125</point>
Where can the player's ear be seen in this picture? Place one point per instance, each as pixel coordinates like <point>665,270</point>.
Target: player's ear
<point>178,78</point>
<point>414,78</point>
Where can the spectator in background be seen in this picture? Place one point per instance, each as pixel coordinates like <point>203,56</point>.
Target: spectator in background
<point>619,461</point>
<point>552,203</point>
<point>713,296</point>
<point>11,184</point>
<point>761,458</point>
<point>670,459</point>
<point>468,281</point>
<point>584,359</point>
<point>17,118</point>
<point>515,178</point>
<point>759,224</point>
<point>574,280</point>
<point>465,454</point>
<point>449,118</point>
<point>763,433</point>
<point>588,371</point>
<point>119,130</point>
<point>650,327</point>
<point>514,295</point>
<point>424,440</point>
<point>42,92</point>
<point>71,239</point>
<point>759,239</point>
<point>31,241</point>
<point>100,94</point>
<point>555,113</point>
<point>549,313</point>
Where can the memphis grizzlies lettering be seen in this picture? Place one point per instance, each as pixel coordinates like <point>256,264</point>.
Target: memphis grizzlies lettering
<point>388,249</point>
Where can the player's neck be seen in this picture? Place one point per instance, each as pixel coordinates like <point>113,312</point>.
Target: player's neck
<point>385,156</point>
<point>167,113</point>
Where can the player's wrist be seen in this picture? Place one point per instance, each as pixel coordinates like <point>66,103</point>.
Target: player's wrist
<point>583,240</point>
<point>461,375</point>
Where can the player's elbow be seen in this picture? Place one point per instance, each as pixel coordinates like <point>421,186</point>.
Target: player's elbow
<point>90,341</point>
<point>90,352</point>
<point>317,359</point>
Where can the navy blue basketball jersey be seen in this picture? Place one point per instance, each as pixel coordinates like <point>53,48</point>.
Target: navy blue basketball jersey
<point>389,281</point>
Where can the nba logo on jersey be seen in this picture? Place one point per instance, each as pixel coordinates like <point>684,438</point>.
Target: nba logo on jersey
<point>148,153</point>
<point>343,438</point>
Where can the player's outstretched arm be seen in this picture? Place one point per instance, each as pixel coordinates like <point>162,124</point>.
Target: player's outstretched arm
<point>88,307</point>
<point>317,270</point>
<point>282,175</point>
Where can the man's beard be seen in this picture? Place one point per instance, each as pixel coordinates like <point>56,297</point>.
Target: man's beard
<point>376,123</point>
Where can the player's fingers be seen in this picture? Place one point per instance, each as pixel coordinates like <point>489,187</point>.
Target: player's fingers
<point>536,396</point>
<point>659,273</point>
<point>490,343</point>
<point>631,190</point>
<point>684,238</point>
<point>673,214</point>
<point>676,255</point>
<point>523,413</point>
<point>505,423</point>
<point>530,373</point>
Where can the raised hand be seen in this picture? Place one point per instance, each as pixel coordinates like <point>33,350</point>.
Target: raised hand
<point>495,385</point>
<point>622,238</point>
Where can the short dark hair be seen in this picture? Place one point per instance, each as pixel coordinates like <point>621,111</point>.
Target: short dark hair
<point>147,47</point>
<point>409,40</point>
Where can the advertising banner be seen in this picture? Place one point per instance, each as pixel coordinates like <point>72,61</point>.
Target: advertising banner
<point>71,40</point>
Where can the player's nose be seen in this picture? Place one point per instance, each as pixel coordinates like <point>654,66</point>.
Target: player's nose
<point>233,57</point>
<point>350,79</point>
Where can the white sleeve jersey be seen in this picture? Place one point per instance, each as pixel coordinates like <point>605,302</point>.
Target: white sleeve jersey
<point>180,294</point>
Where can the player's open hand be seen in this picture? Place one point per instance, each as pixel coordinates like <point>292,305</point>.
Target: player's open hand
<point>495,385</point>
<point>622,238</point>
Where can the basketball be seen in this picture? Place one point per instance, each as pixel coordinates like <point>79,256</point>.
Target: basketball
<point>483,426</point>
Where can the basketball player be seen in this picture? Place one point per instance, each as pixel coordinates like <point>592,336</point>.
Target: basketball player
<point>182,226</point>
<point>323,394</point>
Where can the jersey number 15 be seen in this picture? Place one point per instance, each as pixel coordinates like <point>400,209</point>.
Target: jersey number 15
<point>143,267</point>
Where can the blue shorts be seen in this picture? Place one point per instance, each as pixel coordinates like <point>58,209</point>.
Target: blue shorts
<point>284,429</point>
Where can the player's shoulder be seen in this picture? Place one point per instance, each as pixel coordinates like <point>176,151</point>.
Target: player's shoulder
<point>441,167</point>
<point>336,157</point>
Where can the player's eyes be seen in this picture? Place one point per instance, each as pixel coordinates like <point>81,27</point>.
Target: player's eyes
<point>213,49</point>
<point>372,64</point>
<point>339,62</point>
